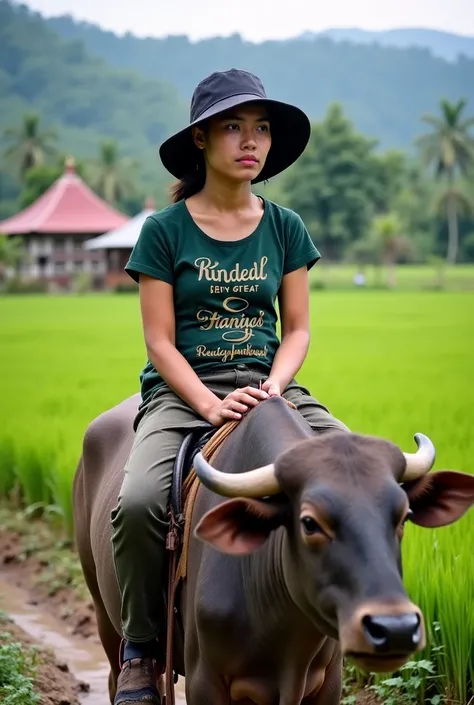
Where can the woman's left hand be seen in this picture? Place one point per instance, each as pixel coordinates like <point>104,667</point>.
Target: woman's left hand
<point>271,387</point>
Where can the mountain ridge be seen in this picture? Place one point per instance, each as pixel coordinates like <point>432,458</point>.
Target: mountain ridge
<point>138,90</point>
<point>445,45</point>
<point>81,95</point>
<point>384,90</point>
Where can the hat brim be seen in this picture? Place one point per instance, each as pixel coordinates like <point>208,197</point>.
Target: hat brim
<point>290,130</point>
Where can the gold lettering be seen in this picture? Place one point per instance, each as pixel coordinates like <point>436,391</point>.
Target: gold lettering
<point>233,336</point>
<point>245,288</point>
<point>205,268</point>
<point>209,271</point>
<point>219,289</point>
<point>211,319</point>
<point>208,317</point>
<point>237,329</point>
<point>234,304</point>
<point>226,354</point>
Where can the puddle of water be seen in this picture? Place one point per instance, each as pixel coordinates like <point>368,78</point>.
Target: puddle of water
<point>86,659</point>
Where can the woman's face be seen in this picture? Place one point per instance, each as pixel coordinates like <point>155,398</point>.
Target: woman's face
<point>236,144</point>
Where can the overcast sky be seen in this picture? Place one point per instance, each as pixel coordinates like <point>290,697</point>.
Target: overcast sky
<point>262,19</point>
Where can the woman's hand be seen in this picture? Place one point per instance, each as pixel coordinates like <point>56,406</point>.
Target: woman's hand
<point>271,387</point>
<point>235,405</point>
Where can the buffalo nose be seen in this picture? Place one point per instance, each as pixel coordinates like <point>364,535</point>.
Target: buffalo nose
<point>392,633</point>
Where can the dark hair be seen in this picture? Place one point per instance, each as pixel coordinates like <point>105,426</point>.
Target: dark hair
<point>189,185</point>
<point>194,181</point>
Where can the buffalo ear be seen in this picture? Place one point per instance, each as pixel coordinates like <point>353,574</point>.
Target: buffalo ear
<point>239,526</point>
<point>440,498</point>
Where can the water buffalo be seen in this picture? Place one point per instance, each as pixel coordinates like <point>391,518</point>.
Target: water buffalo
<point>299,567</point>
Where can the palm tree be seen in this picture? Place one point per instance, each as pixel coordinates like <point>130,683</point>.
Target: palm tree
<point>111,175</point>
<point>449,150</point>
<point>30,144</point>
<point>390,243</point>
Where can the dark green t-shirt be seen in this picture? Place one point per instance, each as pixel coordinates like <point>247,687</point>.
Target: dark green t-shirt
<point>224,292</point>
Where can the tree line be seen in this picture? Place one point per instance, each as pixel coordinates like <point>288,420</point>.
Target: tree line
<point>361,204</point>
<point>85,100</point>
<point>347,186</point>
<point>382,89</point>
<point>91,85</point>
<point>358,203</point>
<point>33,156</point>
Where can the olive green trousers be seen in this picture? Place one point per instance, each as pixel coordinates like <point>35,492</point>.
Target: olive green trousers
<point>140,520</point>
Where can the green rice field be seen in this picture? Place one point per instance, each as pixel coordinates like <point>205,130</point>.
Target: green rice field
<point>388,363</point>
<point>408,278</point>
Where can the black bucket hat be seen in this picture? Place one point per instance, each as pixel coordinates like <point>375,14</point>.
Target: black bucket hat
<point>222,90</point>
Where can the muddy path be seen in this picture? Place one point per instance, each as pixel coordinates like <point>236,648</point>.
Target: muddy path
<point>82,657</point>
<point>42,590</point>
<point>52,680</point>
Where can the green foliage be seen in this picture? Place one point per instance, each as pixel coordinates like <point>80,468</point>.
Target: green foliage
<point>389,240</point>
<point>30,144</point>
<point>18,285</point>
<point>384,90</point>
<point>12,252</point>
<point>334,185</point>
<point>404,689</point>
<point>42,537</point>
<point>112,180</point>
<point>340,185</point>
<point>413,202</point>
<point>406,371</point>
<point>113,120</point>
<point>410,278</point>
<point>449,151</point>
<point>81,97</point>
<point>413,684</point>
<point>449,147</point>
<point>38,179</point>
<point>17,670</point>
<point>111,176</point>
<point>9,189</point>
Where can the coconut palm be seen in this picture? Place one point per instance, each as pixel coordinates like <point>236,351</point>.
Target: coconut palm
<point>449,150</point>
<point>111,175</point>
<point>30,144</point>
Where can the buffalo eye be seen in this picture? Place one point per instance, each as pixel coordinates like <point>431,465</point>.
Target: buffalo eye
<point>310,526</point>
<point>401,526</point>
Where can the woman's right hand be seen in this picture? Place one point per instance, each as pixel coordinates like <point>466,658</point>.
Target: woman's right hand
<point>235,405</point>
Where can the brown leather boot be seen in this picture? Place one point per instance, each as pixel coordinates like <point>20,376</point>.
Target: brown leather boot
<point>137,683</point>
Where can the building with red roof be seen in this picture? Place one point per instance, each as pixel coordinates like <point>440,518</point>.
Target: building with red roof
<point>55,227</point>
<point>117,245</point>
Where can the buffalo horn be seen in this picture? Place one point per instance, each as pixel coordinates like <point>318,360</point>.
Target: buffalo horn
<point>421,462</point>
<point>260,482</point>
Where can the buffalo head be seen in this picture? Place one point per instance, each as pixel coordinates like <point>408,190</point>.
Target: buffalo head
<point>341,501</point>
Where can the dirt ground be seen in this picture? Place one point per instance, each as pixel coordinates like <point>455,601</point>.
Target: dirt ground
<point>53,681</point>
<point>25,567</point>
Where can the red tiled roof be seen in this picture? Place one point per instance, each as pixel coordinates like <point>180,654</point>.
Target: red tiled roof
<point>68,206</point>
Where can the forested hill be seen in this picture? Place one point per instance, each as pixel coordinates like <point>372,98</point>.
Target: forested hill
<point>444,44</point>
<point>84,97</point>
<point>93,84</point>
<point>383,89</point>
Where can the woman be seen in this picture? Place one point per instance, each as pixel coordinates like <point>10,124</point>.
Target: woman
<point>209,268</point>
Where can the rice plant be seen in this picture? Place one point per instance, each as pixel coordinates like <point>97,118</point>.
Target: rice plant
<point>389,363</point>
